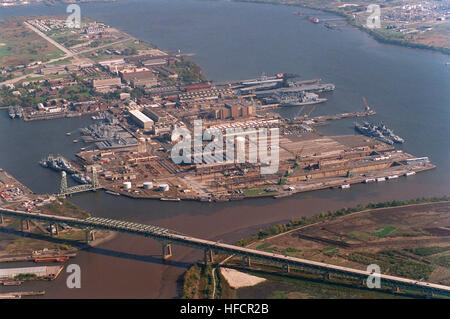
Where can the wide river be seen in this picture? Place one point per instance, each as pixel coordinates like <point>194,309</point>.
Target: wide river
<point>408,88</point>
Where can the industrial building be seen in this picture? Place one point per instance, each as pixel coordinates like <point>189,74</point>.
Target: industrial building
<point>156,114</point>
<point>141,119</point>
<point>142,77</point>
<point>106,85</point>
<point>233,110</point>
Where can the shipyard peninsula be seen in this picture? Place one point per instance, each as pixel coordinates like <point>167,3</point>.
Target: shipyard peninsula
<point>138,96</point>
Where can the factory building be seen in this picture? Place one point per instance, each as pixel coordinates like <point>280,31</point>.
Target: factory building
<point>139,77</point>
<point>106,85</point>
<point>156,114</point>
<point>141,119</point>
<point>233,110</point>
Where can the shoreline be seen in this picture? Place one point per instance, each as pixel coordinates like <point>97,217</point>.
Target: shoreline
<point>251,242</point>
<point>379,38</point>
<point>279,194</point>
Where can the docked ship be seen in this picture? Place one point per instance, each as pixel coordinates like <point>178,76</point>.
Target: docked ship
<point>99,117</point>
<point>18,112</point>
<point>82,179</point>
<point>12,112</point>
<point>390,134</point>
<point>57,163</point>
<point>306,98</point>
<point>379,132</point>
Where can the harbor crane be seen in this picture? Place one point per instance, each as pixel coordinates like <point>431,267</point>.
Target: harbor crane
<point>365,103</point>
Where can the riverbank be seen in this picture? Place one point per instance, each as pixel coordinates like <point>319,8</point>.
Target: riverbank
<point>412,262</point>
<point>377,35</point>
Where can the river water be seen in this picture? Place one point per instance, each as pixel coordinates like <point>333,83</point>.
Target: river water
<point>408,88</point>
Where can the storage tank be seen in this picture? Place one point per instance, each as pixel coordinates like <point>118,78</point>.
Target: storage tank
<point>148,185</point>
<point>127,185</point>
<point>164,187</point>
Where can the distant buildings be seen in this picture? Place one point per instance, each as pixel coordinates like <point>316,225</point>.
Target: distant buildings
<point>233,110</point>
<point>139,77</point>
<point>53,69</point>
<point>156,114</point>
<point>106,85</point>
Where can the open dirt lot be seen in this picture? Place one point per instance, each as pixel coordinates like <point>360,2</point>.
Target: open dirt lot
<point>22,46</point>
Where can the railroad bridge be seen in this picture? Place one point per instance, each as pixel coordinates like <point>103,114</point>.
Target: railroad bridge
<point>65,190</point>
<point>169,237</point>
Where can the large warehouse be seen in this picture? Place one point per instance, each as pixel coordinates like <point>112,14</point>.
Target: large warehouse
<point>141,119</point>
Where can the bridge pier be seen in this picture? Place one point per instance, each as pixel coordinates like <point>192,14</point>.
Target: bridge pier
<point>209,256</point>
<point>89,235</point>
<point>246,261</point>
<point>166,251</point>
<point>54,226</point>
<point>285,268</point>
<point>27,225</point>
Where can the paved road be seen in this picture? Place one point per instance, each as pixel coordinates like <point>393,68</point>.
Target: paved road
<point>56,44</point>
<point>68,53</point>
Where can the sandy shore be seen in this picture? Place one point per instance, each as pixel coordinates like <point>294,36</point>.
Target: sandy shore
<point>237,279</point>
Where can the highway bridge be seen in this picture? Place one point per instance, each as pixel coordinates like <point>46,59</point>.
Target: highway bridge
<point>167,237</point>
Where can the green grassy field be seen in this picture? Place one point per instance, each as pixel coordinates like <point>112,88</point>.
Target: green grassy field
<point>20,46</point>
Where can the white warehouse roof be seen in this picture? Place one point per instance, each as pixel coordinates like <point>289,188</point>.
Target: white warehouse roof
<point>141,116</point>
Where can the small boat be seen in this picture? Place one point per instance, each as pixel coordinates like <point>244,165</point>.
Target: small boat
<point>112,193</point>
<point>170,199</point>
<point>58,259</point>
<point>12,283</point>
<point>392,177</point>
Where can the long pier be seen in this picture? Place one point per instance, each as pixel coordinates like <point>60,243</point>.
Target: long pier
<point>168,237</point>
